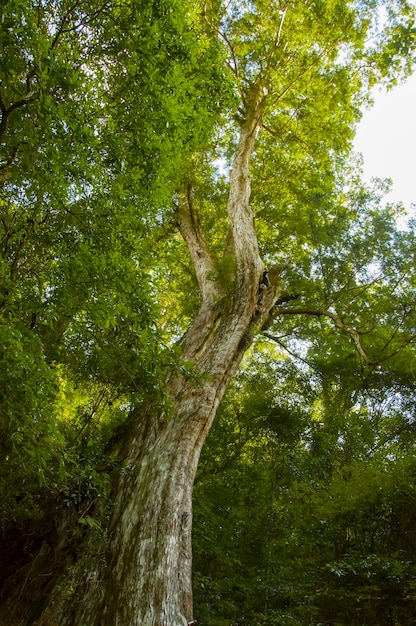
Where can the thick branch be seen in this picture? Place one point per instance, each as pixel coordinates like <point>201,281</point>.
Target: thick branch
<point>243,234</point>
<point>193,235</point>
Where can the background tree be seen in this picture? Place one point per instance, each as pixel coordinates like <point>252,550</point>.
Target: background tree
<point>303,508</point>
<point>131,106</point>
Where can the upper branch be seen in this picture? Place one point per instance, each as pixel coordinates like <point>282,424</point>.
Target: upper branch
<point>338,322</point>
<point>243,234</point>
<point>234,66</point>
<point>193,235</point>
<point>353,333</point>
<point>7,111</point>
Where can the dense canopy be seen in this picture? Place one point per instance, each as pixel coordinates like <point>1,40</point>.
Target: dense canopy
<point>178,194</point>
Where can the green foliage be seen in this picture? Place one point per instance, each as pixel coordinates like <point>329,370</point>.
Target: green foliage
<point>29,438</point>
<point>304,503</point>
<point>248,459</point>
<point>101,106</point>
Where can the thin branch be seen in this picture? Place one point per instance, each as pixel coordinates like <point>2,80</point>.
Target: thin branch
<point>279,135</point>
<point>272,131</point>
<point>405,343</point>
<point>299,76</point>
<point>354,334</point>
<point>84,22</point>
<point>22,102</point>
<point>292,82</point>
<point>234,69</point>
<point>388,439</point>
<point>361,289</point>
<point>6,112</point>
<point>3,107</point>
<point>6,162</point>
<point>61,28</point>
<point>289,351</point>
<point>338,322</point>
<point>278,35</point>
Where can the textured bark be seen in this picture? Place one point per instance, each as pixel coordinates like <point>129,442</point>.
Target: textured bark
<point>140,572</point>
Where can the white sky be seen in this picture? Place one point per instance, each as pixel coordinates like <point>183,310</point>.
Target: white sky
<point>386,137</point>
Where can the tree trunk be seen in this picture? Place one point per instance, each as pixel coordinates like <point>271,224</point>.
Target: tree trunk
<point>140,573</point>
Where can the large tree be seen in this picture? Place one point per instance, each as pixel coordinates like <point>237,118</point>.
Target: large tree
<point>124,124</point>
